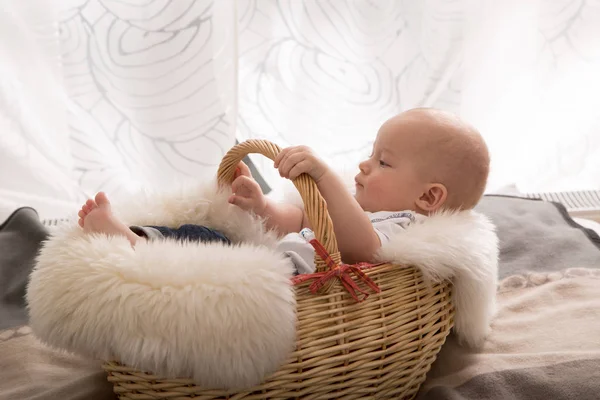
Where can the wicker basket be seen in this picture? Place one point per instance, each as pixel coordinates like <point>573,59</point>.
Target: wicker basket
<point>379,348</point>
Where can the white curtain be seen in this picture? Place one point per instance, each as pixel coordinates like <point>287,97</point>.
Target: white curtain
<point>525,72</point>
<point>112,95</point>
<point>119,94</point>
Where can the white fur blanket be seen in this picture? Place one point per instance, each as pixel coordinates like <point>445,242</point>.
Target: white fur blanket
<point>222,315</point>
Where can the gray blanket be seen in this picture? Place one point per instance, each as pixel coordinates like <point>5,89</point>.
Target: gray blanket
<point>545,341</point>
<point>20,238</point>
<point>538,236</point>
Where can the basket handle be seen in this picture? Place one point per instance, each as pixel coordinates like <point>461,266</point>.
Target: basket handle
<point>314,204</point>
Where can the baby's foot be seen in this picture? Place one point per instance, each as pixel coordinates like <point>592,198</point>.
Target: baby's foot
<point>96,216</point>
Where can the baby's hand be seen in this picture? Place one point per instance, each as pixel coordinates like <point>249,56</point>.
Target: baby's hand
<point>296,160</point>
<point>247,193</point>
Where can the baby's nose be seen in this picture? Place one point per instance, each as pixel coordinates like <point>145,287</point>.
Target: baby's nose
<point>363,167</point>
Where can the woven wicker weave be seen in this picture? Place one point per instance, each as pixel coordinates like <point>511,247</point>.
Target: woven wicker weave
<point>379,348</point>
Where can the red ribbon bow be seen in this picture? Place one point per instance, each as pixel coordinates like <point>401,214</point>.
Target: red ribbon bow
<point>342,272</point>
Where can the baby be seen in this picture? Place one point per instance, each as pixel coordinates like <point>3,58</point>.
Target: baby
<point>423,161</point>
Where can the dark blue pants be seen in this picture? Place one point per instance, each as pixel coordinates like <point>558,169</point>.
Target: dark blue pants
<point>192,233</point>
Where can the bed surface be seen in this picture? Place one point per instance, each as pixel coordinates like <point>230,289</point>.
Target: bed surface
<point>545,340</point>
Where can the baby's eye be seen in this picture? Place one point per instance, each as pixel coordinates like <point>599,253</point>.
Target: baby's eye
<point>382,163</point>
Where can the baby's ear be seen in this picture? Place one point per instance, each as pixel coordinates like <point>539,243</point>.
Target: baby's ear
<point>433,198</point>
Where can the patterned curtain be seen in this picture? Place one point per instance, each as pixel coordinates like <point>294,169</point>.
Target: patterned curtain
<point>115,95</point>
<point>328,73</point>
<point>122,94</point>
<point>153,87</point>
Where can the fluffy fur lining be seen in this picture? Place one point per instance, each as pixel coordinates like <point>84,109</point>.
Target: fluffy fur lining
<point>462,247</point>
<point>222,315</point>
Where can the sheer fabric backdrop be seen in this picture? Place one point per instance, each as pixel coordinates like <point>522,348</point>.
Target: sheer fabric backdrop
<point>116,95</point>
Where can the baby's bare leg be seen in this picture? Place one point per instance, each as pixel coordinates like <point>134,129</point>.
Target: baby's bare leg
<point>96,216</point>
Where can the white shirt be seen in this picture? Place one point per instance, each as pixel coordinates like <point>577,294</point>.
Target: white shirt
<point>385,224</point>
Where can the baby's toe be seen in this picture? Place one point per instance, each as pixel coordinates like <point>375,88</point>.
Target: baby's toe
<point>80,222</point>
<point>102,199</point>
<point>81,213</point>
<point>90,203</point>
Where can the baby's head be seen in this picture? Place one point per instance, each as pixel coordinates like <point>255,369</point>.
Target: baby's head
<point>424,160</point>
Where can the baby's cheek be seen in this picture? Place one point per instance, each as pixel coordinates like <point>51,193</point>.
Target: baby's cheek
<point>376,190</point>
<point>378,185</point>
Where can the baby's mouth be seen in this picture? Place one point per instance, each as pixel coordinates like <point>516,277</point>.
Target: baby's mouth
<point>357,182</point>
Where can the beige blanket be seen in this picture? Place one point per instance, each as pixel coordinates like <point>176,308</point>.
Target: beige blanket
<point>545,344</point>
<point>30,371</point>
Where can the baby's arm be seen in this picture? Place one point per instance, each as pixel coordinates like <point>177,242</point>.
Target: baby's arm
<point>284,218</point>
<point>356,237</point>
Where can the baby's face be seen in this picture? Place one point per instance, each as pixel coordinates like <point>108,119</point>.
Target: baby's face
<point>389,180</point>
